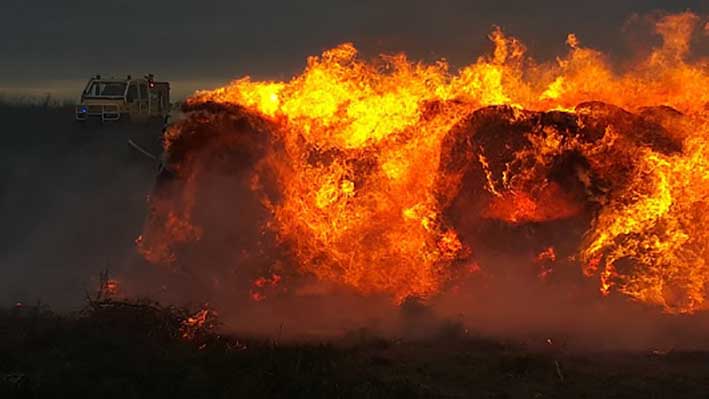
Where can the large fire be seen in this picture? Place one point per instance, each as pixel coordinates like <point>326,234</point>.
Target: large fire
<point>382,176</point>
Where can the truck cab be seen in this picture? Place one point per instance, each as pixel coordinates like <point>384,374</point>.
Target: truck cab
<point>112,99</point>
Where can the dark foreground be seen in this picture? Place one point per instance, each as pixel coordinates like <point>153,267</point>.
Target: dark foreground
<point>133,350</point>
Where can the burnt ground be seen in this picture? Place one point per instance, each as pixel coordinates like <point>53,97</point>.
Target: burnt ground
<point>72,200</point>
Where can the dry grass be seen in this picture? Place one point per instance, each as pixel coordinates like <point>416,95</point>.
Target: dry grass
<point>136,349</point>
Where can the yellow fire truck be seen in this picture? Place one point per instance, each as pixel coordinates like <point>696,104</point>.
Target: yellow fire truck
<point>112,99</point>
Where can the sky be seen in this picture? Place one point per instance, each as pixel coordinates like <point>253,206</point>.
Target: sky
<point>54,46</point>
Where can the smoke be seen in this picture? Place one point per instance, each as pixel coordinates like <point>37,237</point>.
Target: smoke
<point>567,311</point>
<point>72,200</point>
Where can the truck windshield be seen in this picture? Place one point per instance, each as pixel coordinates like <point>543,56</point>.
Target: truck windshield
<point>106,89</point>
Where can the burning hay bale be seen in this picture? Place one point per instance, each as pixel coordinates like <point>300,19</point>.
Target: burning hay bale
<point>211,158</point>
<point>523,167</point>
<point>393,177</point>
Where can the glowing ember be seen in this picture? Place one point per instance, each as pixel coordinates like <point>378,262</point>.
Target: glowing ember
<point>201,321</point>
<point>374,173</point>
<point>547,255</point>
<point>112,287</point>
<point>547,203</point>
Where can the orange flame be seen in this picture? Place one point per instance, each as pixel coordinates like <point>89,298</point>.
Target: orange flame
<point>362,189</point>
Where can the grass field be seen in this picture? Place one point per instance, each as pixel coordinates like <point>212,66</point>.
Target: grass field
<point>129,350</point>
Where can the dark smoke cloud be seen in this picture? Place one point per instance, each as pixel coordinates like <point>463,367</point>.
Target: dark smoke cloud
<point>46,42</point>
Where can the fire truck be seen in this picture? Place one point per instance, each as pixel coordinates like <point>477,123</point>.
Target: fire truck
<point>112,99</point>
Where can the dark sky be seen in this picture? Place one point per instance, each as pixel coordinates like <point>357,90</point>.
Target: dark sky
<point>208,41</point>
